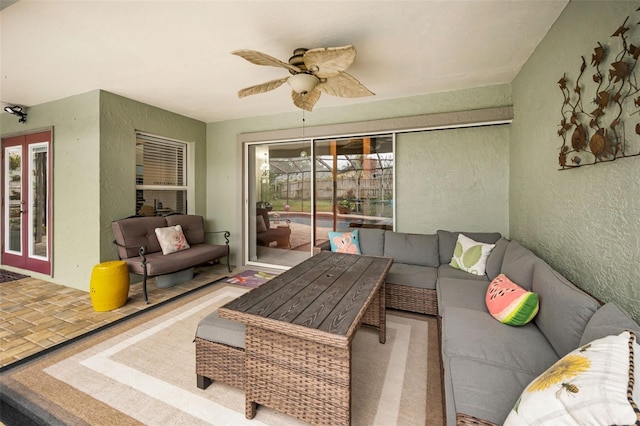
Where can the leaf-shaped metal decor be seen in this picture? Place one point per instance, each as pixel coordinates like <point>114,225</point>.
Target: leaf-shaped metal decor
<point>599,135</point>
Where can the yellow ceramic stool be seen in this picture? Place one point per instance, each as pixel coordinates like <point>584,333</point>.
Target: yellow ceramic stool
<point>109,285</point>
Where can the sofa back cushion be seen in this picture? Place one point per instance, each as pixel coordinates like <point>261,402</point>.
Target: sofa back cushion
<point>447,241</point>
<point>564,310</point>
<point>136,232</point>
<point>415,249</point>
<point>265,216</point>
<point>518,263</point>
<point>607,320</point>
<point>371,241</point>
<point>494,261</point>
<point>192,226</point>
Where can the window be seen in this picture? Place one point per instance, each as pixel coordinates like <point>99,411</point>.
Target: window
<point>161,176</point>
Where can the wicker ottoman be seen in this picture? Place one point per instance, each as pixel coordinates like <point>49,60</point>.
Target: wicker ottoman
<point>220,351</point>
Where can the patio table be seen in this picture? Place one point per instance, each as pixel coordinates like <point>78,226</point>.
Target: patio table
<point>299,329</point>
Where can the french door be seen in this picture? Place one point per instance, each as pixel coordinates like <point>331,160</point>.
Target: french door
<point>26,202</point>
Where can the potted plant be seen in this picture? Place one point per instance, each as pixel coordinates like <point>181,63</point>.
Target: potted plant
<point>345,206</point>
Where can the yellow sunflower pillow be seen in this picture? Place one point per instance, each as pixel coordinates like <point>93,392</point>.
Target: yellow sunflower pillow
<point>595,384</point>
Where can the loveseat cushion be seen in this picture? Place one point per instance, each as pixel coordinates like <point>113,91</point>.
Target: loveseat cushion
<point>192,226</point>
<point>372,241</point>
<point>415,249</point>
<point>607,320</point>
<point>459,293</point>
<point>412,275</point>
<point>447,241</point>
<point>159,264</point>
<point>518,263</point>
<point>564,310</point>
<point>135,232</point>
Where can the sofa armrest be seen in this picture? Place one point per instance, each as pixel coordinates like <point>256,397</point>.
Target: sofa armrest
<point>226,235</point>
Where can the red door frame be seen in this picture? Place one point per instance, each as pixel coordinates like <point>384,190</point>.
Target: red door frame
<point>23,261</point>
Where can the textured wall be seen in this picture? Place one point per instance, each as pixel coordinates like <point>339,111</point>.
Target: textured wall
<point>225,161</point>
<point>76,183</point>
<point>120,118</point>
<point>454,179</point>
<point>584,222</point>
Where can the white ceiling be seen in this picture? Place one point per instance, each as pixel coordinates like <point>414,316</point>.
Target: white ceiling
<point>176,54</point>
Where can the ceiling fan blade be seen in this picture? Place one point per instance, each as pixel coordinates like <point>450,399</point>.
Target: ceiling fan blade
<point>344,86</point>
<point>261,88</point>
<point>306,101</point>
<point>260,58</point>
<point>329,61</point>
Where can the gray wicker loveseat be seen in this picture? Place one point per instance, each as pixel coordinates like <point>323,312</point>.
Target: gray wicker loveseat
<point>138,245</point>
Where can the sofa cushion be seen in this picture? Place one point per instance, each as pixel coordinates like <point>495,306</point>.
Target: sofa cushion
<point>412,275</point>
<point>171,239</point>
<point>518,264</point>
<point>372,241</point>
<point>459,293</point>
<point>415,249</point>
<point>470,255</point>
<point>448,271</point>
<point>509,303</point>
<point>476,335</point>
<point>591,385</point>
<point>159,264</point>
<point>345,242</point>
<point>608,319</point>
<point>494,261</point>
<point>192,226</point>
<point>471,382</point>
<point>564,311</point>
<point>447,241</point>
<point>260,225</point>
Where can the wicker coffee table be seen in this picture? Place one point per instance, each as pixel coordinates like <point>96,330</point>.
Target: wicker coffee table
<point>299,328</point>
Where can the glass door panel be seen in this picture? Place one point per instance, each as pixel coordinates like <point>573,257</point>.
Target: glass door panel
<point>353,184</point>
<point>279,206</point>
<point>26,193</point>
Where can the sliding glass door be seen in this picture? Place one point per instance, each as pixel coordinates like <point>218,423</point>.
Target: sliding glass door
<point>299,191</point>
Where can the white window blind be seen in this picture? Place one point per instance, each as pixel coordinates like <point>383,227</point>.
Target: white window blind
<point>161,175</point>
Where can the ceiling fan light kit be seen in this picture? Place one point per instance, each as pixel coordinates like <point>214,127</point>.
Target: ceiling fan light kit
<point>303,83</point>
<point>313,71</point>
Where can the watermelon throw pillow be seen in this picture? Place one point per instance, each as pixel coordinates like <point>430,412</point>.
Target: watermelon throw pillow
<point>509,303</point>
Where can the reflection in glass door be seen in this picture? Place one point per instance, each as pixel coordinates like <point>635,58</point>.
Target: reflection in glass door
<point>26,219</point>
<point>279,187</point>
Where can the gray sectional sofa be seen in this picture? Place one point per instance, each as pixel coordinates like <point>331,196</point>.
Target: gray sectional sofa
<point>487,364</point>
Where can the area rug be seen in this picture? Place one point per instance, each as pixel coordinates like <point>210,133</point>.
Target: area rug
<point>6,276</point>
<point>250,278</point>
<point>144,373</point>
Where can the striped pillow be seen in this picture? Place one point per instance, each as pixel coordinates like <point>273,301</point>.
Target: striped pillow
<point>509,303</point>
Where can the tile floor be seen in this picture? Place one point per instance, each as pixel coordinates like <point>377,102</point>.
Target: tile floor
<point>36,315</point>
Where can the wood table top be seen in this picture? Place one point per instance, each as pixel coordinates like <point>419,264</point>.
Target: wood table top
<point>326,293</point>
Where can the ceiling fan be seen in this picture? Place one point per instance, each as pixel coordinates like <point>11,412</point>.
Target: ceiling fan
<point>313,71</point>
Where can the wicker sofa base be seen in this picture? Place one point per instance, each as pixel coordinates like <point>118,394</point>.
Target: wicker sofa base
<point>412,299</point>
<point>215,361</point>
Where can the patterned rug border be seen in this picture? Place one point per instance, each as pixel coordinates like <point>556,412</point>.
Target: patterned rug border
<point>15,389</point>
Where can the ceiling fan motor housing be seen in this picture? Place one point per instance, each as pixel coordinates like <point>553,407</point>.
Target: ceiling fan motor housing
<point>297,59</point>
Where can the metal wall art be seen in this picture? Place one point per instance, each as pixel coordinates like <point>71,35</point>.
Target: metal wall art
<point>612,129</point>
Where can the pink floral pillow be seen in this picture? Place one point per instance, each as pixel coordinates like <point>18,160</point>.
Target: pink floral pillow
<point>171,239</point>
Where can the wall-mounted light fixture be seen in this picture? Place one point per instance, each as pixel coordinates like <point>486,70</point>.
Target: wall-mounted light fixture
<point>17,110</point>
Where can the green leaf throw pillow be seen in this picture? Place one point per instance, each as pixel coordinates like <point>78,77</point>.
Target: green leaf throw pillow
<point>470,255</point>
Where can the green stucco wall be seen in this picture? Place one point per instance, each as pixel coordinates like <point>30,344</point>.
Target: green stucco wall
<point>453,149</point>
<point>76,182</point>
<point>584,222</point>
<point>94,171</point>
